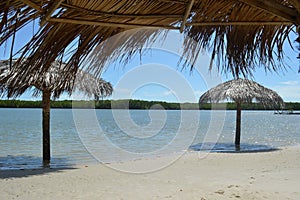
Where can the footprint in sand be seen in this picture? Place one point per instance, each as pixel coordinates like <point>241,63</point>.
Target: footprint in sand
<point>231,186</point>
<point>220,192</point>
<point>252,180</point>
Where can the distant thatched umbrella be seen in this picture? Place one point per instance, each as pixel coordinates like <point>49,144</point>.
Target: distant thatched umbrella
<point>242,91</point>
<point>51,83</point>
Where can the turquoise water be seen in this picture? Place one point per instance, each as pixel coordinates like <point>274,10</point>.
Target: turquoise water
<point>78,136</point>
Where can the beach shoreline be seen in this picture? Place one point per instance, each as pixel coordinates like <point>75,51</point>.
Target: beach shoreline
<point>260,175</point>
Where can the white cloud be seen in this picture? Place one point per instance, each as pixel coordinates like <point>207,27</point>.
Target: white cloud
<point>290,83</point>
<point>168,93</point>
<point>288,92</point>
<point>157,94</point>
<point>121,93</point>
<point>64,96</point>
<point>122,90</point>
<point>171,94</point>
<point>198,93</point>
<point>149,94</point>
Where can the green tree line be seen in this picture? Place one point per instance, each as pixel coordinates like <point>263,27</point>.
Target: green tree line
<point>137,104</point>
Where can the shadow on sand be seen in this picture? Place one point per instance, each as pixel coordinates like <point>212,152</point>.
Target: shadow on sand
<point>25,166</point>
<point>232,148</point>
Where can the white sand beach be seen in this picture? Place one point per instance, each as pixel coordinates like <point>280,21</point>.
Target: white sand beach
<point>265,175</point>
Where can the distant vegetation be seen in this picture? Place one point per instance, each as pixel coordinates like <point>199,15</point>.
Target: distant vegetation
<point>136,104</point>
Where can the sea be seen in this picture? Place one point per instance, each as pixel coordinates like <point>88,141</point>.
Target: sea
<point>87,136</point>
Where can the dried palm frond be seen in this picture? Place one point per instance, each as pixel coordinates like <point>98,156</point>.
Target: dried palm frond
<point>240,34</point>
<point>238,46</point>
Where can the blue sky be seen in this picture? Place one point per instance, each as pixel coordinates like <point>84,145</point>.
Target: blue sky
<point>156,75</point>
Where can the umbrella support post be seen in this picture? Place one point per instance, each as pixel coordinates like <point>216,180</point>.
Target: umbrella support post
<point>46,128</point>
<point>238,124</point>
<point>240,90</point>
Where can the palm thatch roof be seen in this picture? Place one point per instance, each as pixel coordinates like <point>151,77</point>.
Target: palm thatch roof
<point>56,80</point>
<point>242,91</point>
<point>49,83</point>
<point>239,33</point>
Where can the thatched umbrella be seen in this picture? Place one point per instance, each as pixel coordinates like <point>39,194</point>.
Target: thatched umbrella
<point>238,33</point>
<point>51,84</point>
<point>242,91</point>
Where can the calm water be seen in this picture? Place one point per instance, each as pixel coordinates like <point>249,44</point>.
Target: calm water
<point>78,136</point>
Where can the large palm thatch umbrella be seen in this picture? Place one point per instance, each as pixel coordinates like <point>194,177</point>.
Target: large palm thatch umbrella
<point>242,91</point>
<point>51,84</point>
<point>238,32</point>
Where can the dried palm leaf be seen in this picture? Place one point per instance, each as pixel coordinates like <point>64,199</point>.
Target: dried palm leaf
<point>240,34</point>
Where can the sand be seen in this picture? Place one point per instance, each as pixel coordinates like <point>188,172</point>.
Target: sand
<point>265,175</point>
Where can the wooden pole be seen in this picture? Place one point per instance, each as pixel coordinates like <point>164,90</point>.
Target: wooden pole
<point>186,14</point>
<point>50,11</point>
<point>238,123</point>
<point>240,23</point>
<point>46,127</point>
<point>108,24</point>
<point>112,14</point>
<point>32,4</point>
<point>274,8</point>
